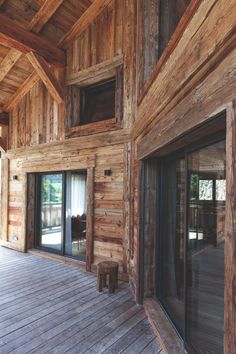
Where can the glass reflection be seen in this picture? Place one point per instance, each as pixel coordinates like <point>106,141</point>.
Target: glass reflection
<point>51,211</point>
<point>172,243</point>
<point>205,265</point>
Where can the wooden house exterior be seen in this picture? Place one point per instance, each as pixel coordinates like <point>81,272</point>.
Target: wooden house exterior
<point>174,68</point>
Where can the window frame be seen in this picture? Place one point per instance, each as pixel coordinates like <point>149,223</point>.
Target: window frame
<point>105,125</point>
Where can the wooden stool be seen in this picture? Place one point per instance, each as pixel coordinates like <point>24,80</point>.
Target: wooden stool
<point>107,268</point>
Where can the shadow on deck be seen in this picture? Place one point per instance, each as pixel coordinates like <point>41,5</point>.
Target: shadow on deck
<point>48,307</point>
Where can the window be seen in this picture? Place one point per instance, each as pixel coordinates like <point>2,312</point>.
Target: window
<point>158,19</point>
<point>97,102</point>
<point>171,12</point>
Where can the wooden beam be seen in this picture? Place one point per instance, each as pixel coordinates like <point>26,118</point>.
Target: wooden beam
<point>8,62</point>
<point>96,72</point>
<point>43,15</point>
<point>230,233</point>
<point>4,119</point>
<point>21,92</point>
<point>14,36</point>
<point>39,20</point>
<point>83,22</point>
<point>3,144</point>
<point>47,76</point>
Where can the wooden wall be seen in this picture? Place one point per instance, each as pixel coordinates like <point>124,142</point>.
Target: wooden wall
<point>108,190</point>
<point>101,41</point>
<point>37,140</point>
<point>195,81</point>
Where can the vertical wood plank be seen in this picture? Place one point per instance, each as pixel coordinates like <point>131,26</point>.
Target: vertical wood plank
<point>4,201</point>
<point>31,181</point>
<point>230,233</point>
<point>90,217</point>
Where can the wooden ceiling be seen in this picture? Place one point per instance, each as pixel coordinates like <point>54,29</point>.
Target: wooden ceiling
<point>35,34</point>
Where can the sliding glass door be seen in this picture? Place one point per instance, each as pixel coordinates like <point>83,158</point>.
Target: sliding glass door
<point>191,247</point>
<point>75,243</point>
<point>61,216</point>
<point>50,214</point>
<point>205,248</point>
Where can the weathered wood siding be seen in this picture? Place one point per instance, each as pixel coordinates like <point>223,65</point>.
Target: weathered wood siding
<point>101,41</point>
<point>196,81</point>
<point>37,139</point>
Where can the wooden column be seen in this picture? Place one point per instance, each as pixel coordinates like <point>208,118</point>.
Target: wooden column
<point>230,233</point>
<point>90,221</point>
<point>4,201</point>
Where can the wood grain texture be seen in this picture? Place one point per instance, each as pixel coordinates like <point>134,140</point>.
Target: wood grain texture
<point>8,62</point>
<point>47,76</point>
<point>96,323</point>
<point>22,91</point>
<point>230,233</point>
<point>5,200</point>
<point>95,73</point>
<point>44,14</point>
<point>14,36</point>
<point>84,21</point>
<point>185,74</point>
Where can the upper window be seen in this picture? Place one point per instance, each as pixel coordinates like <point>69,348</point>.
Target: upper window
<point>171,12</point>
<point>158,19</point>
<point>97,102</point>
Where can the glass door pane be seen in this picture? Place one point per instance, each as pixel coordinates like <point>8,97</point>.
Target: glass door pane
<point>51,211</point>
<point>76,215</point>
<point>172,240</point>
<point>205,249</point>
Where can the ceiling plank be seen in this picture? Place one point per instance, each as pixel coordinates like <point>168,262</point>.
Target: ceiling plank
<point>4,119</point>
<point>47,76</point>
<point>83,22</point>
<point>8,62</point>
<point>14,36</point>
<point>3,144</point>
<point>43,15</point>
<point>21,92</point>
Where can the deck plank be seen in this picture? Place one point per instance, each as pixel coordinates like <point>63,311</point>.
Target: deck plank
<point>49,307</point>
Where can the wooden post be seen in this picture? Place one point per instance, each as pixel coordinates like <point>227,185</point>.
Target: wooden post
<point>230,233</point>
<point>4,201</point>
<point>90,221</point>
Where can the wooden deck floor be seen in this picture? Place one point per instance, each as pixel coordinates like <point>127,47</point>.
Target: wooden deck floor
<point>48,307</point>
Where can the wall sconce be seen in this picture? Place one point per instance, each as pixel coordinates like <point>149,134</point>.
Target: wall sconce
<point>107,172</point>
<point>15,178</point>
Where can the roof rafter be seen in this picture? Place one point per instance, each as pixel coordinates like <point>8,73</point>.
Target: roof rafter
<point>21,92</point>
<point>47,76</point>
<point>37,23</point>
<point>83,22</point>
<point>8,62</point>
<point>14,36</point>
<point>44,14</point>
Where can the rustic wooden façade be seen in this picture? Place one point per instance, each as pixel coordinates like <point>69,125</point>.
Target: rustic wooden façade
<point>162,95</point>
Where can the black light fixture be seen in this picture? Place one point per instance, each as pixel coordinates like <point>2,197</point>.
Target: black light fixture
<point>15,178</point>
<point>107,172</point>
